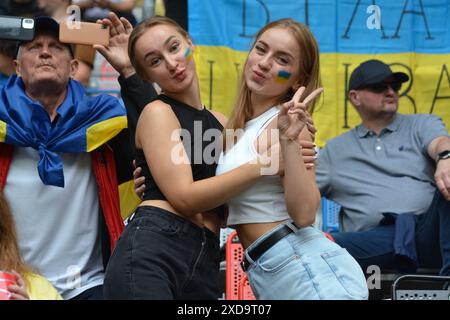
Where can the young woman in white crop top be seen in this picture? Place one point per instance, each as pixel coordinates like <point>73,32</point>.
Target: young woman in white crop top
<point>285,257</point>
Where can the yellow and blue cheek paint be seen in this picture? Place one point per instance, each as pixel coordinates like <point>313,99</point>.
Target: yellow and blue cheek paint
<point>282,77</point>
<point>188,54</point>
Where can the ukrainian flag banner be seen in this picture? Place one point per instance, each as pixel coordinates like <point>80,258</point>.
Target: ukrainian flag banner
<point>412,36</point>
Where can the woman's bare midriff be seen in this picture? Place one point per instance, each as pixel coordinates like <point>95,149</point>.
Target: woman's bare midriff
<point>250,232</point>
<point>207,219</point>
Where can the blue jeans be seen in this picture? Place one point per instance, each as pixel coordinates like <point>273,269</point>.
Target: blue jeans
<point>163,256</point>
<point>375,246</point>
<point>305,265</point>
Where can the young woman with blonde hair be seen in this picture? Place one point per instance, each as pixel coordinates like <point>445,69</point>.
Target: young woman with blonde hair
<point>169,249</point>
<point>285,257</point>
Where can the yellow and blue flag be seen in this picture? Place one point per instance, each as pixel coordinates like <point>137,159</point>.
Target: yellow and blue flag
<point>84,123</point>
<point>412,36</point>
<point>283,76</point>
<point>188,54</point>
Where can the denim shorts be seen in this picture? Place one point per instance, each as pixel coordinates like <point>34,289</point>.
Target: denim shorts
<point>163,256</point>
<point>305,265</point>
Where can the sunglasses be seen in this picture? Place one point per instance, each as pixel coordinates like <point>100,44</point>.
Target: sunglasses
<point>382,87</point>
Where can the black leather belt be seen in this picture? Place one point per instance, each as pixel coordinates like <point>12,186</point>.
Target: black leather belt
<point>265,245</point>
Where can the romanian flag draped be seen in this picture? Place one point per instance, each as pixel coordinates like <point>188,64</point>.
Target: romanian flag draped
<point>85,124</point>
<point>412,36</point>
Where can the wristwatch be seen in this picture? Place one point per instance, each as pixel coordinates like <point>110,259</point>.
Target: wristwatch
<point>443,155</point>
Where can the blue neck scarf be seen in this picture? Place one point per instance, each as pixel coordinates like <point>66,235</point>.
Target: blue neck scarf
<point>82,124</point>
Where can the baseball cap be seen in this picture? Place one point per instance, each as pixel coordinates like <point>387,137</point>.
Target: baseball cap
<point>49,25</point>
<point>372,72</point>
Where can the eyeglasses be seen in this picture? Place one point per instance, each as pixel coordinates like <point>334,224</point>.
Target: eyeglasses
<point>382,87</point>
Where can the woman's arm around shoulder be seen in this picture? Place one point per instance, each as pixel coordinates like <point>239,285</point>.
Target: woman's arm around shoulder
<point>158,134</point>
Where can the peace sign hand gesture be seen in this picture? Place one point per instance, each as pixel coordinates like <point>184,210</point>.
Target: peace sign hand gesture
<point>293,115</point>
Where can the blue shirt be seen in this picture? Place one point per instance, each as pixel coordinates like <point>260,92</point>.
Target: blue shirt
<point>3,79</point>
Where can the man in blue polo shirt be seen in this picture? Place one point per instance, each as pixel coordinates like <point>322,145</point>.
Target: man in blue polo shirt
<point>391,174</point>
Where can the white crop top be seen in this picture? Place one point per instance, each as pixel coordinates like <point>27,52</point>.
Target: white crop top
<point>263,201</point>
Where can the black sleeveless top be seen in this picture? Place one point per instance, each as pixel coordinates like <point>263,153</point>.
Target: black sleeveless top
<point>203,163</point>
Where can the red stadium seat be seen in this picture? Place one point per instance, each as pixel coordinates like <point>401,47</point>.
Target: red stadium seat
<point>236,286</point>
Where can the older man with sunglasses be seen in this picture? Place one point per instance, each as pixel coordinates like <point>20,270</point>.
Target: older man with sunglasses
<point>391,174</point>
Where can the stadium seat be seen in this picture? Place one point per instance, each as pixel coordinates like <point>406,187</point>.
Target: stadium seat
<point>236,286</point>
<point>426,287</point>
<point>330,215</point>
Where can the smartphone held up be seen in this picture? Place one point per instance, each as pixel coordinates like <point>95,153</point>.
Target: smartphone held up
<point>83,33</point>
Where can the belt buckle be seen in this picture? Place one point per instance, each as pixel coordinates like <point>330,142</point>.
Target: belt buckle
<point>244,264</point>
<point>129,219</point>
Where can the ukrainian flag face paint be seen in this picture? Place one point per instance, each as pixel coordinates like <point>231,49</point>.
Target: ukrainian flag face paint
<point>188,54</point>
<point>282,77</point>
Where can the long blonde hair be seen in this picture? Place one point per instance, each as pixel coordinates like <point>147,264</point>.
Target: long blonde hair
<point>309,72</point>
<point>10,258</point>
